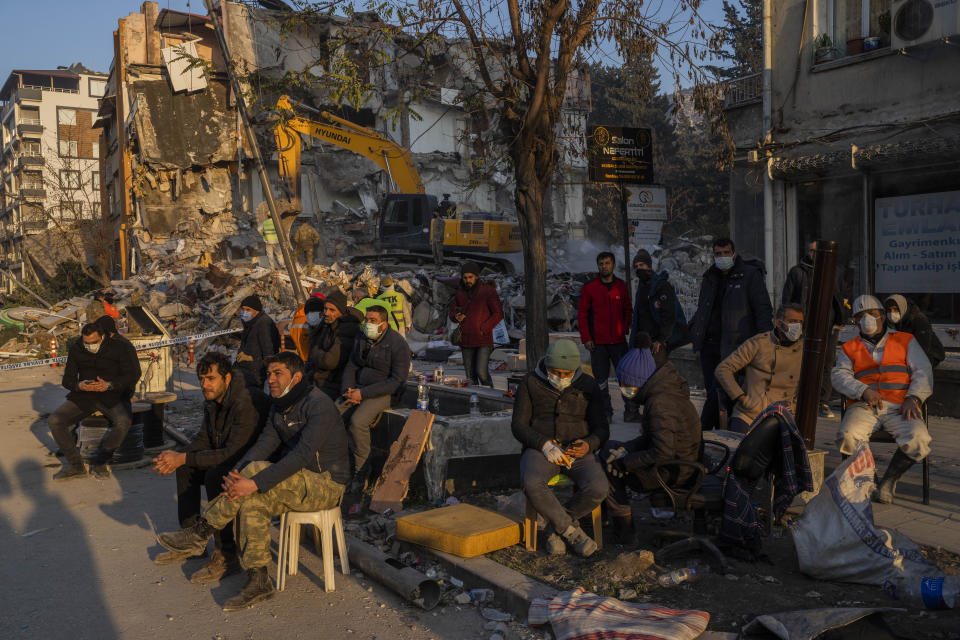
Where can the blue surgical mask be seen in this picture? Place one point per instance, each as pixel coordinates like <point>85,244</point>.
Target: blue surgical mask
<point>724,263</point>
<point>314,318</point>
<point>245,315</point>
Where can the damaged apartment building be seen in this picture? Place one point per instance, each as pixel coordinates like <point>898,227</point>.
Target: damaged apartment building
<point>178,176</point>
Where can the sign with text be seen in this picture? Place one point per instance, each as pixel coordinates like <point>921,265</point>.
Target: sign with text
<point>644,233</point>
<point>646,203</point>
<point>918,243</point>
<point>620,154</point>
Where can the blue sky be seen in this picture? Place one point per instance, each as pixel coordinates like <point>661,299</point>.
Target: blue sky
<point>42,34</point>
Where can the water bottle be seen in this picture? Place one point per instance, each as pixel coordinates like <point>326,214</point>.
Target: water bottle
<point>438,374</point>
<point>474,404</point>
<point>423,395</point>
<point>931,593</point>
<point>679,576</point>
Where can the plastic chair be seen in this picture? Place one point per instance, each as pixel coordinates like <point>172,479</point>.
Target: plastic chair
<point>531,517</point>
<point>325,524</point>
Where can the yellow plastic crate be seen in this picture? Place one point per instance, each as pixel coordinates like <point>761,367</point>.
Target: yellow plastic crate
<point>462,529</point>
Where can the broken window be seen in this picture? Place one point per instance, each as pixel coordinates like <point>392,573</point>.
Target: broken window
<point>98,87</point>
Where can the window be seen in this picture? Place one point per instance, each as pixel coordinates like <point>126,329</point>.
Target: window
<point>69,179</point>
<point>98,87</point>
<point>95,180</point>
<point>32,180</point>
<point>30,148</point>
<point>70,209</point>
<point>68,148</point>
<point>66,116</point>
<point>854,19</point>
<point>96,149</point>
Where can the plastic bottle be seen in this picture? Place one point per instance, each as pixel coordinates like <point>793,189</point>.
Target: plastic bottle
<point>679,576</point>
<point>474,404</point>
<point>931,593</point>
<point>423,395</point>
<point>438,374</point>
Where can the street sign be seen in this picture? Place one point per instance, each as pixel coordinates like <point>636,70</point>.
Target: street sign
<point>620,154</point>
<point>646,203</point>
<point>645,232</point>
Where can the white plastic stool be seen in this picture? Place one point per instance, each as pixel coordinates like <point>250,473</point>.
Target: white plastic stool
<point>325,523</point>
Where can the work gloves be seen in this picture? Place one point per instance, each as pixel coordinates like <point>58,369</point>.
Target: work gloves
<point>553,453</point>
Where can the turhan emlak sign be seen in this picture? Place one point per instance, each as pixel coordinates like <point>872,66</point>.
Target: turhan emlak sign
<point>620,154</point>
<point>918,243</point>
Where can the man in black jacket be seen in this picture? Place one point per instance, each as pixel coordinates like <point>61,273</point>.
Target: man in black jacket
<point>733,306</point>
<point>233,417</point>
<point>377,369</point>
<point>333,331</point>
<point>259,340</point>
<point>906,316</point>
<point>560,419</point>
<point>305,435</point>
<point>101,375</point>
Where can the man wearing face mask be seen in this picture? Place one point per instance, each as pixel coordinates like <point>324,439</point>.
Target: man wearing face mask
<point>560,419</point>
<point>376,370</point>
<point>101,375</point>
<point>334,328</point>
<point>906,316</point>
<point>732,307</point>
<point>772,362</point>
<point>885,376</point>
<point>259,340</point>
<point>304,435</point>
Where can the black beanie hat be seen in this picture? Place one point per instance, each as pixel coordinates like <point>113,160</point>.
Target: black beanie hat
<point>338,299</point>
<point>470,267</point>
<point>313,304</point>
<point>643,256</point>
<point>253,302</point>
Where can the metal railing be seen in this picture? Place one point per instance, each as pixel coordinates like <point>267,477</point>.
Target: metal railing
<point>55,89</point>
<point>743,90</point>
<point>29,121</point>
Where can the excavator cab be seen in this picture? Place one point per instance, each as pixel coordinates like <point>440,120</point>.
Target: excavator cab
<point>405,221</point>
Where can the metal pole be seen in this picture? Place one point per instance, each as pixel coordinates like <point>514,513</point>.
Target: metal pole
<point>625,227</point>
<point>26,288</point>
<point>409,583</point>
<point>819,325</point>
<point>298,292</point>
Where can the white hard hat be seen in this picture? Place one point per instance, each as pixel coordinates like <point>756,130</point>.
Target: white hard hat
<point>866,303</point>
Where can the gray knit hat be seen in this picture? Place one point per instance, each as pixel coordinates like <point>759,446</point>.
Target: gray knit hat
<point>563,354</point>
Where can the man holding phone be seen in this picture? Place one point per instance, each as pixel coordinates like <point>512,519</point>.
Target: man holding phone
<point>101,374</point>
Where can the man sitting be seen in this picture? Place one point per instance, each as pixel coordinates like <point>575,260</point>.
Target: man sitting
<point>377,369</point>
<point>907,317</point>
<point>233,417</point>
<point>101,375</point>
<point>333,330</point>
<point>772,362</point>
<point>670,430</point>
<point>885,377</point>
<point>559,416</point>
<point>305,432</point>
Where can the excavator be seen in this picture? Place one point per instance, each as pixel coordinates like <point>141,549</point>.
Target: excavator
<point>405,215</point>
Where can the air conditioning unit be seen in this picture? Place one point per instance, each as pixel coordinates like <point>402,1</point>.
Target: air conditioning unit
<point>914,22</point>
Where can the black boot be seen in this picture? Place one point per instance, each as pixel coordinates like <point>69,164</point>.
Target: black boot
<point>259,587</point>
<point>898,466</point>
<point>192,539</point>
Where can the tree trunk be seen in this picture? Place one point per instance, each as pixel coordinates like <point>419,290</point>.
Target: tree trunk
<point>529,200</point>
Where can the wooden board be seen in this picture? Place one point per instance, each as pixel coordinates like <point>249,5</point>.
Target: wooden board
<point>462,529</point>
<point>394,481</point>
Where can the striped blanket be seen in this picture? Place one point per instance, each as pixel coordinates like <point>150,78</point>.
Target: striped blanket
<point>581,615</point>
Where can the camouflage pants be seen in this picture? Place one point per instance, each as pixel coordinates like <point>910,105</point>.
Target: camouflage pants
<point>303,491</point>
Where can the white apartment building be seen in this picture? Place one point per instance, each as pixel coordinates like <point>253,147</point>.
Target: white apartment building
<point>49,167</point>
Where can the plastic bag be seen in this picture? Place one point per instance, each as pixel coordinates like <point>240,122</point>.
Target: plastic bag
<point>836,538</point>
<point>500,335</point>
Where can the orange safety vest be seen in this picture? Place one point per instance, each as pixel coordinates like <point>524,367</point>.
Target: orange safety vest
<point>111,310</point>
<point>300,333</point>
<point>892,376</point>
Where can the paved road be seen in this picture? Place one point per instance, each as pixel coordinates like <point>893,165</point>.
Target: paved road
<point>77,557</point>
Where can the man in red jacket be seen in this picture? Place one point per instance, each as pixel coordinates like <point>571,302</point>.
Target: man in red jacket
<point>476,307</point>
<point>604,318</point>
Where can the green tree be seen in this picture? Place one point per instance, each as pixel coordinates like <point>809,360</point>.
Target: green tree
<point>742,34</point>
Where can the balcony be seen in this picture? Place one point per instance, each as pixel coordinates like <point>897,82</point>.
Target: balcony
<point>35,225</point>
<point>29,125</point>
<point>33,192</point>
<point>743,91</point>
<point>30,160</point>
<point>30,93</point>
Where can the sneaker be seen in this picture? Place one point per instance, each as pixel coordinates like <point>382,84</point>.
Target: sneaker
<point>259,587</point>
<point>71,472</point>
<point>220,564</point>
<point>826,411</point>
<point>582,544</point>
<point>99,471</point>
<point>190,540</point>
<point>554,544</point>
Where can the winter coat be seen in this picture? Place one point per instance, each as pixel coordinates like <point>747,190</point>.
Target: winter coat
<point>671,424</point>
<point>116,362</point>
<point>541,413</point>
<point>482,307</point>
<point>230,427</point>
<point>772,374</point>
<point>913,321</point>
<point>796,290</point>
<point>745,307</point>
<point>655,313</point>
<point>603,315</point>
<point>309,435</point>
<point>259,339</point>
<point>378,368</point>
<point>330,348</point>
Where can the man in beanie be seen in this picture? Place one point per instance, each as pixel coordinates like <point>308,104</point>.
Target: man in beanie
<point>603,317</point>
<point>333,329</point>
<point>259,340</point>
<point>299,328</point>
<point>560,419</point>
<point>885,377</point>
<point>670,431</point>
<point>906,316</point>
<point>476,307</point>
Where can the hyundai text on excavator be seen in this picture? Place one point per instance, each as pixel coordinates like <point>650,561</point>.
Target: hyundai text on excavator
<point>405,216</point>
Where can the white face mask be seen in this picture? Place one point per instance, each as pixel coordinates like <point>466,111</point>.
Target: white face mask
<point>286,390</point>
<point>559,383</point>
<point>92,348</point>
<point>371,331</point>
<point>314,318</point>
<point>724,263</point>
<point>793,331</point>
<point>894,317</point>
<point>246,316</point>
<point>869,325</point>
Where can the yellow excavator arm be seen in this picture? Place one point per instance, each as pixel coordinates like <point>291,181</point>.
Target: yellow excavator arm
<point>385,153</point>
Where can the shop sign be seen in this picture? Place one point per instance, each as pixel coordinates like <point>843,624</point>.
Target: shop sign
<point>646,203</point>
<point>620,154</point>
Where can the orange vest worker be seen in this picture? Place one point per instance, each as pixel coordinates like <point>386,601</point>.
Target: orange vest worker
<point>892,376</point>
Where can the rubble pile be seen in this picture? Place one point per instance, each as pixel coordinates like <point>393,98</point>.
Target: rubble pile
<point>686,260</point>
